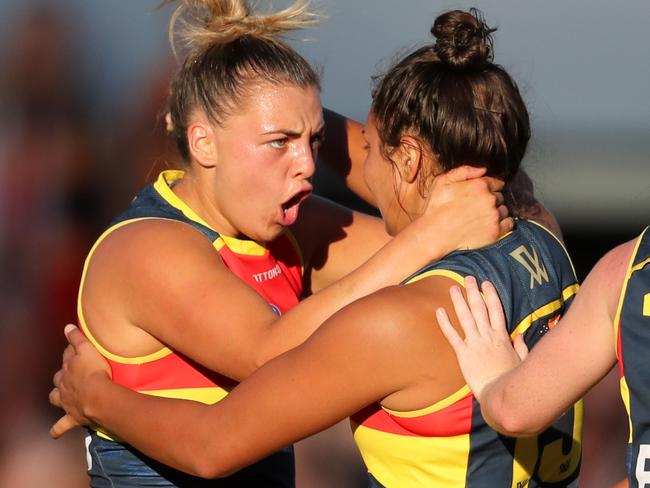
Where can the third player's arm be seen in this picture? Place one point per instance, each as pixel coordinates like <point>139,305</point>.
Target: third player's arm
<point>567,362</point>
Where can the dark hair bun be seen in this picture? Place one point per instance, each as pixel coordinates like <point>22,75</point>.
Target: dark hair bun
<point>463,41</point>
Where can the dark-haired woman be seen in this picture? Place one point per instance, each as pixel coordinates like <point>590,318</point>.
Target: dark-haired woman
<point>380,360</point>
<point>196,283</point>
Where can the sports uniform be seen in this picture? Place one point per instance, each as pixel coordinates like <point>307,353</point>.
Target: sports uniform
<point>449,444</point>
<point>632,332</point>
<point>274,271</point>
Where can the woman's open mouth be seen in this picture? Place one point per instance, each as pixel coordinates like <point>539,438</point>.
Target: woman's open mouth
<point>290,208</point>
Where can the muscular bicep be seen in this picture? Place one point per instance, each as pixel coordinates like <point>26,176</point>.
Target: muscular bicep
<point>335,240</point>
<point>163,281</point>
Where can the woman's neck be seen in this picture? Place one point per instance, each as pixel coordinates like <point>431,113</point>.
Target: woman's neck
<point>195,195</point>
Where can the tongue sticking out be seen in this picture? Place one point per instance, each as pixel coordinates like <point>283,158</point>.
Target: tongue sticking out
<point>290,209</point>
<point>289,215</point>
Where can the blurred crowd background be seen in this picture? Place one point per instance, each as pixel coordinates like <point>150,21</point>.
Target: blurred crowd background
<point>82,91</point>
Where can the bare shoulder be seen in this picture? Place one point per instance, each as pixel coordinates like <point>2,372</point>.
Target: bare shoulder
<point>617,259</point>
<point>147,240</point>
<point>605,281</point>
<point>146,259</point>
<point>398,324</point>
<point>609,272</point>
<point>134,276</point>
<point>399,315</point>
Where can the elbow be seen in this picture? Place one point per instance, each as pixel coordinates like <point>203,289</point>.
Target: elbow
<point>209,468</point>
<point>515,425</point>
<point>206,461</point>
<point>511,420</point>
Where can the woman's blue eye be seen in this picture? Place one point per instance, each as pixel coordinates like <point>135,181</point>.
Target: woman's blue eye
<point>278,143</point>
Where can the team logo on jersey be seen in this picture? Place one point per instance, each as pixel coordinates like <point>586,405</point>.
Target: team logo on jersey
<point>272,273</point>
<point>553,322</point>
<point>275,309</point>
<point>532,263</point>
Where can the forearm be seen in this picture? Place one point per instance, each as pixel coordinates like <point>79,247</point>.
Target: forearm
<point>395,261</point>
<point>147,423</point>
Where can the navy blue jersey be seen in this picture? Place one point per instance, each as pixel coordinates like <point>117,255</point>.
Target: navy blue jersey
<point>272,269</point>
<point>536,282</point>
<point>633,351</point>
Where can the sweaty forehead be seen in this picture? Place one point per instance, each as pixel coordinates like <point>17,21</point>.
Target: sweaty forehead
<point>271,106</point>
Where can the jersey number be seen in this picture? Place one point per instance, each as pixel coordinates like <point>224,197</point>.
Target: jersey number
<point>642,475</point>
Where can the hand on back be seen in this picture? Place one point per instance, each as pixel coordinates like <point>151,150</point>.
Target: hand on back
<point>485,352</point>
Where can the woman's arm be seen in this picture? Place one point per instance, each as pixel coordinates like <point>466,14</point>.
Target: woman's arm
<point>342,151</point>
<point>523,399</point>
<point>160,282</point>
<point>362,354</point>
<point>350,256</point>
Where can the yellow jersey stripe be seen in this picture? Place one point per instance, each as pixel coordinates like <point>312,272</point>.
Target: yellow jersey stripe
<point>544,310</point>
<point>442,404</point>
<point>641,265</point>
<point>238,246</point>
<point>251,248</point>
<point>625,395</point>
<point>458,278</point>
<point>162,186</point>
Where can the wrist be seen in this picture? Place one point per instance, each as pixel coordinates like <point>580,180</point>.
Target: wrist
<point>91,397</point>
<point>428,232</point>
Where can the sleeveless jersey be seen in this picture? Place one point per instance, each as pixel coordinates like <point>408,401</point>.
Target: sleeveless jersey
<point>632,334</point>
<point>273,270</point>
<point>449,444</point>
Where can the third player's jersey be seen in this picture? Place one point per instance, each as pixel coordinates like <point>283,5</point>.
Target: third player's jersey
<point>633,351</point>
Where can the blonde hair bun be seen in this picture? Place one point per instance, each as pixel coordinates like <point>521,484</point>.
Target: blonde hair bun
<point>196,24</point>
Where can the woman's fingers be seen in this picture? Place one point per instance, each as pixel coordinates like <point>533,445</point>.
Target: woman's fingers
<point>463,312</point>
<point>63,425</point>
<point>496,317</point>
<point>55,397</point>
<point>68,353</point>
<point>56,379</point>
<point>74,336</point>
<point>465,172</point>
<point>476,305</point>
<point>520,347</point>
<point>448,330</point>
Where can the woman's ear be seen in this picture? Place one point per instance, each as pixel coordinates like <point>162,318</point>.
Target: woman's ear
<point>200,139</point>
<point>408,158</point>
